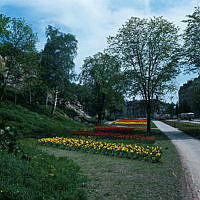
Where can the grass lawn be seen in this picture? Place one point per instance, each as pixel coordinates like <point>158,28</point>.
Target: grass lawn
<point>109,177</point>
<point>43,177</point>
<point>120,178</point>
<point>189,128</point>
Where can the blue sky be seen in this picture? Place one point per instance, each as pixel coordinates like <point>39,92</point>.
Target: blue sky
<point>92,21</point>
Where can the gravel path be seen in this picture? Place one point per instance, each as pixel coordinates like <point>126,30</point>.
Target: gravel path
<point>189,149</point>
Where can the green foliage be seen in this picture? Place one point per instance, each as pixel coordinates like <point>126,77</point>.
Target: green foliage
<point>57,60</point>
<point>33,124</point>
<point>57,57</point>
<point>149,52</point>
<point>4,33</point>
<point>44,177</point>
<point>15,48</point>
<point>102,74</point>
<point>192,41</point>
<point>4,21</point>
<point>8,140</point>
<point>8,143</point>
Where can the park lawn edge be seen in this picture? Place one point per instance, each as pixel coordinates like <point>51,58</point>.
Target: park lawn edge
<point>188,128</point>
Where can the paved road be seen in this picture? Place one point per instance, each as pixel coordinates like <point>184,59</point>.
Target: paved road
<point>189,149</point>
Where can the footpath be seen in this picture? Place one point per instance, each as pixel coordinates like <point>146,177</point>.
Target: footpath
<point>189,150</point>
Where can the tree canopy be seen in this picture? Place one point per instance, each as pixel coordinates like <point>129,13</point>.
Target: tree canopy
<point>58,59</point>
<point>102,73</point>
<point>149,52</point>
<point>191,38</point>
<point>17,43</point>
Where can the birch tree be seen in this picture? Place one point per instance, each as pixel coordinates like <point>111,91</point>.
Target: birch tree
<point>58,60</point>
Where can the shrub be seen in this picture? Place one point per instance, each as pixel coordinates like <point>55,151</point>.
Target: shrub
<point>8,143</point>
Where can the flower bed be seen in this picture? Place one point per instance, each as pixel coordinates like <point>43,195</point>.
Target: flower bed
<point>121,128</point>
<point>131,120</point>
<point>115,135</point>
<point>141,152</point>
<point>128,123</point>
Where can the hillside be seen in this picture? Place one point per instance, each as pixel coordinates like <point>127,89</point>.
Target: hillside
<point>36,121</point>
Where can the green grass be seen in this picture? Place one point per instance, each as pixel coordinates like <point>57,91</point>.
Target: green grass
<point>135,180</point>
<point>110,177</point>
<point>43,177</point>
<point>37,124</point>
<point>189,128</point>
<point>120,178</point>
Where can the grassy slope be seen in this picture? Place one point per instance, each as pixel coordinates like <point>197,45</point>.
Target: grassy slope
<point>37,124</point>
<point>44,177</point>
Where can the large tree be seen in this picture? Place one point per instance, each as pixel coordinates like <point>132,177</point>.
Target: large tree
<point>58,60</point>
<point>191,38</point>
<point>4,21</point>
<point>4,24</point>
<point>102,74</point>
<point>32,84</point>
<point>17,42</point>
<point>149,51</point>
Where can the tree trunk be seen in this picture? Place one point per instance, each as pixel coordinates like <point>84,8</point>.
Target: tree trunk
<point>100,113</point>
<point>55,103</point>
<point>3,91</point>
<point>148,107</point>
<point>99,117</point>
<point>47,99</point>
<point>15,98</point>
<point>30,97</point>
<point>4,88</point>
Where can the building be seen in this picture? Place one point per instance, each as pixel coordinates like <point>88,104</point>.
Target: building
<point>137,109</point>
<point>189,97</point>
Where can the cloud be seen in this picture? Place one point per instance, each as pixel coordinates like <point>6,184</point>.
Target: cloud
<point>92,21</point>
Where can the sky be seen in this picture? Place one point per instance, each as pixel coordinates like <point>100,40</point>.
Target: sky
<point>92,21</point>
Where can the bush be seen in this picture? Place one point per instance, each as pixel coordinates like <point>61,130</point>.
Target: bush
<point>8,143</point>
